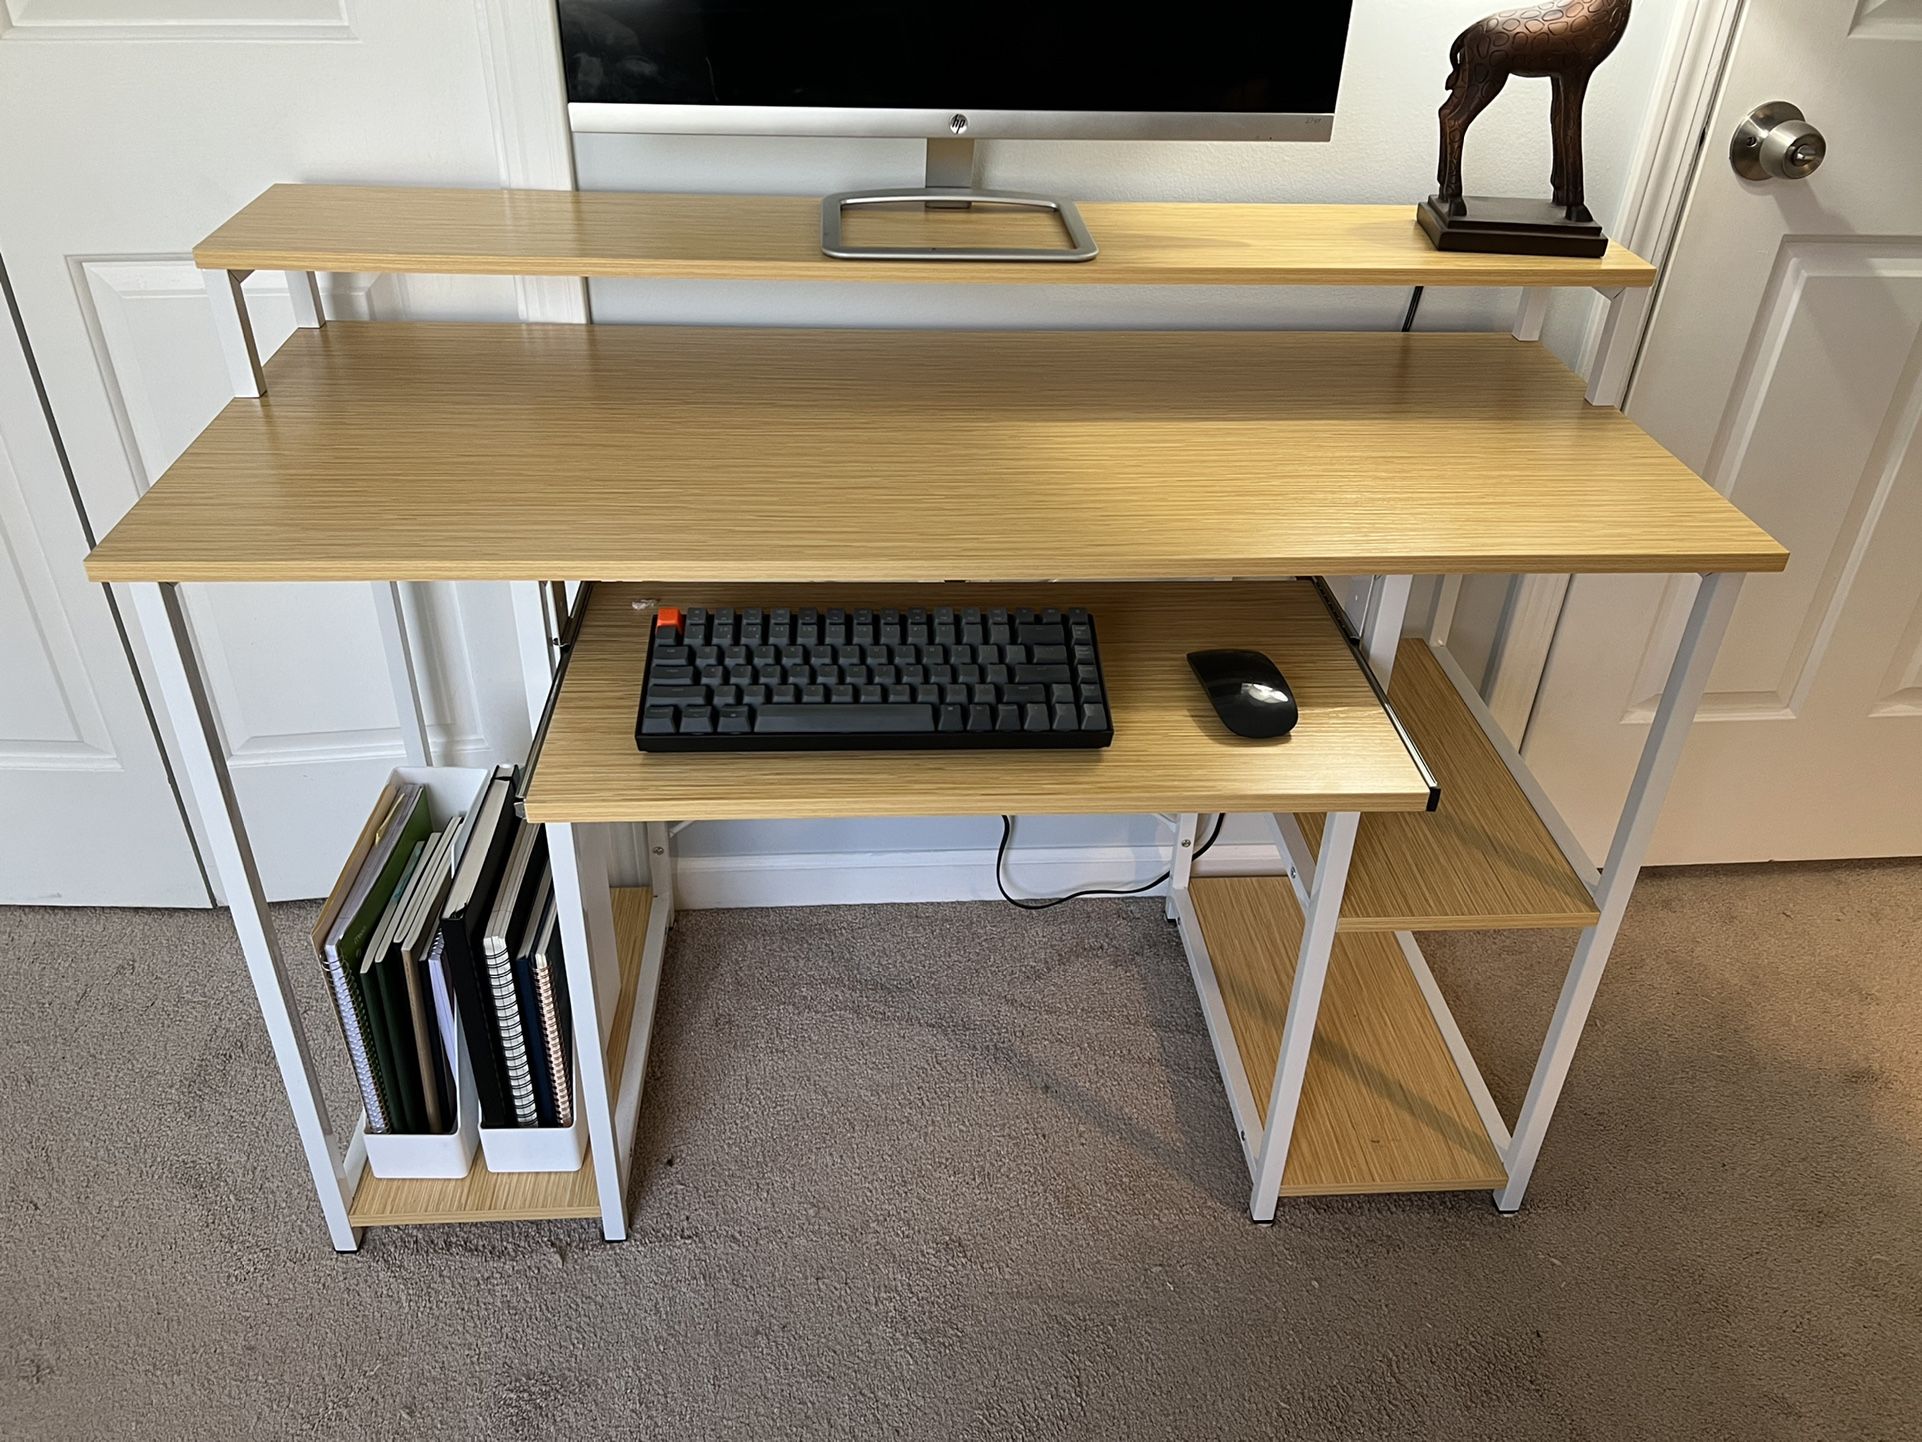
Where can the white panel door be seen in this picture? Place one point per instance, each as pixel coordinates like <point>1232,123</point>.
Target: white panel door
<point>1785,364</point>
<point>90,815</point>
<point>127,132</point>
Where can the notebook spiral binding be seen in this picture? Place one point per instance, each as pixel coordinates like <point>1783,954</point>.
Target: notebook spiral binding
<point>354,1030</point>
<point>507,1021</point>
<point>556,1043</point>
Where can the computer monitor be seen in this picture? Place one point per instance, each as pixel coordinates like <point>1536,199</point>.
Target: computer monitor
<point>953,74</point>
<point>1199,70</point>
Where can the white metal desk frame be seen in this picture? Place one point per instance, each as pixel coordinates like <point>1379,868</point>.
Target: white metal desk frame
<point>1376,607</point>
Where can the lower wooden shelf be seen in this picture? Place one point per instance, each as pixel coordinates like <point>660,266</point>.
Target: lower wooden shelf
<point>1482,860</point>
<point>1383,1107</point>
<point>484,1196</point>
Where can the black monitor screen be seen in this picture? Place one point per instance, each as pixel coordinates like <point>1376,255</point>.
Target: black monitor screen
<point>1196,56</point>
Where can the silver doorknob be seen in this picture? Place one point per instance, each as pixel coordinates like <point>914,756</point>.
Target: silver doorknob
<point>1775,142</point>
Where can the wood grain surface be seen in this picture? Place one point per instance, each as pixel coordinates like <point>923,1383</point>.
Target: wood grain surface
<point>1383,1108</point>
<point>778,237</point>
<point>1483,859</point>
<point>452,452</point>
<point>484,1196</point>
<point>1170,752</point>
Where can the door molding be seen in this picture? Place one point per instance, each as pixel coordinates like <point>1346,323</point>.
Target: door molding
<point>1662,174</point>
<point>1661,182</point>
<point>91,21</point>
<point>527,100</point>
<point>30,445</point>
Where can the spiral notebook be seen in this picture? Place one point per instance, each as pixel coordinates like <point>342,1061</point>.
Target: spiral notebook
<point>520,884</point>
<point>348,918</point>
<point>541,982</point>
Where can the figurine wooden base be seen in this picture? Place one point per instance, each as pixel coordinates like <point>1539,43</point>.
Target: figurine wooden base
<point>1505,226</point>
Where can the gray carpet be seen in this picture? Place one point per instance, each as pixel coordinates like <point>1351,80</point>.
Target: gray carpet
<point>952,1171</point>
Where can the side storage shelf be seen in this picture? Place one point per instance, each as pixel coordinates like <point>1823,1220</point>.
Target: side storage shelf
<point>1483,860</point>
<point>1383,1107</point>
<point>1387,1104</point>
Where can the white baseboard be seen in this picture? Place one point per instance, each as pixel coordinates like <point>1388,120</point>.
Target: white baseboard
<point>832,878</point>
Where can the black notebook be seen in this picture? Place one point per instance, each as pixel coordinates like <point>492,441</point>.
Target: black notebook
<point>414,931</point>
<point>540,985</point>
<point>386,1001</point>
<point>518,897</point>
<point>462,930</point>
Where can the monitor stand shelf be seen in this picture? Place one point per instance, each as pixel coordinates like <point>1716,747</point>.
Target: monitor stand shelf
<point>1398,806</point>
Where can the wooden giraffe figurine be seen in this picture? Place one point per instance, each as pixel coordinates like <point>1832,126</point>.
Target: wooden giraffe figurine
<point>1564,40</point>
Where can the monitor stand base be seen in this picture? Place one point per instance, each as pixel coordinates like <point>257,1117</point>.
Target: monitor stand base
<point>951,186</point>
<point>1080,244</point>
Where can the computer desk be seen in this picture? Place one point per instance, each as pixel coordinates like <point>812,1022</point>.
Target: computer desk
<point>1272,490</point>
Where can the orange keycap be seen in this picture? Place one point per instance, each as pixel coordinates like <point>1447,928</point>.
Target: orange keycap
<point>668,616</point>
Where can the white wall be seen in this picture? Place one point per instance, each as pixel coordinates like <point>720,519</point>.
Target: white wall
<point>1383,151</point>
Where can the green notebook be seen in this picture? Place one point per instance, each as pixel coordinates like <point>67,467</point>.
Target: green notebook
<point>379,879</point>
<point>367,902</point>
<point>387,1012</point>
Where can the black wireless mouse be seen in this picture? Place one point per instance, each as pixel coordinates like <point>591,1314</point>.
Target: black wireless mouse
<point>1249,693</point>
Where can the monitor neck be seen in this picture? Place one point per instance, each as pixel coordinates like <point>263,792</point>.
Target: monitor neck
<point>951,165</point>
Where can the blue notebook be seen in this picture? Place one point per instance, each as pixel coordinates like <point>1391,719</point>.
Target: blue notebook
<point>540,985</point>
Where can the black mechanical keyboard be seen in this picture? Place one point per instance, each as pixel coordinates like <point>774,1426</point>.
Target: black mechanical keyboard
<point>834,680</point>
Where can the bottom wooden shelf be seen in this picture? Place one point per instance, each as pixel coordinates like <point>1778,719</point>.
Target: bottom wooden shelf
<point>484,1196</point>
<point>1383,1107</point>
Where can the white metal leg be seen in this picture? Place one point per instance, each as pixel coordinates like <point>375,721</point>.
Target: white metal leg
<point>1181,863</point>
<point>584,908</point>
<point>1304,1009</point>
<point>1383,606</point>
<point>1585,869</point>
<point>1532,312</point>
<point>1221,1033</point>
<point>1381,631</point>
<point>1354,595</point>
<point>1296,854</point>
<point>559,597</point>
<point>303,289</point>
<point>647,988</point>
<point>182,691</point>
<point>1661,754</point>
<point>235,330</point>
<point>1457,1044</point>
<point>660,867</point>
<point>1181,910</point>
<point>401,675</point>
<point>1441,617</point>
<point>1374,608</point>
<point>1621,339</point>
